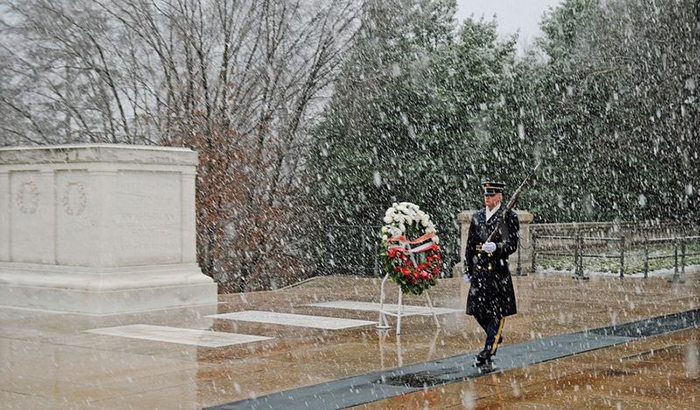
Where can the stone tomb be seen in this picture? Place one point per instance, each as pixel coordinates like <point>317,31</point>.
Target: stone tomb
<point>99,229</point>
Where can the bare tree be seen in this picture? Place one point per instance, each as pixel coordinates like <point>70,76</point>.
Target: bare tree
<point>240,81</point>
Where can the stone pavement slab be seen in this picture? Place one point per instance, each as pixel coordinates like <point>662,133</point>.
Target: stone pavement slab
<point>49,360</point>
<point>406,310</point>
<point>203,338</point>
<point>378,385</point>
<point>290,319</point>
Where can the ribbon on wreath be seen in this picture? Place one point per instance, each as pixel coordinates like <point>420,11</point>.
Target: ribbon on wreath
<point>403,242</point>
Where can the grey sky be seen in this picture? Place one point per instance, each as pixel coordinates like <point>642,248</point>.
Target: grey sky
<point>511,15</point>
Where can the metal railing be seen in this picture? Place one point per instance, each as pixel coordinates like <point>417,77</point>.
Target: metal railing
<point>677,243</point>
<point>580,251</point>
<point>355,249</point>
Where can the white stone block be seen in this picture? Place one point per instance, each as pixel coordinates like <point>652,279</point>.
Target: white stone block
<point>291,319</point>
<point>99,229</point>
<point>168,334</point>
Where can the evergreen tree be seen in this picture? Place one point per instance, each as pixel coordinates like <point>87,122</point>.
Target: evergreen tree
<point>416,117</point>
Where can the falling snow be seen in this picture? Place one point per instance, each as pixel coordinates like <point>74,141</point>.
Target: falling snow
<point>310,119</point>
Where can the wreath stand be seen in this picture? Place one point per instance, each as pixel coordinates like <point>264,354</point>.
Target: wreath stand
<point>399,350</point>
<point>383,322</point>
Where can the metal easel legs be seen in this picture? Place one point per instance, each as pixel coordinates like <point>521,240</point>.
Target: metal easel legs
<point>383,321</point>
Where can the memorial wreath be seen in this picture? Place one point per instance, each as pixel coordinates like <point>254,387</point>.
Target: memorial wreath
<point>413,269</point>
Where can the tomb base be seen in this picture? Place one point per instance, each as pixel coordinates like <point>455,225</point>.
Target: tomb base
<point>104,291</point>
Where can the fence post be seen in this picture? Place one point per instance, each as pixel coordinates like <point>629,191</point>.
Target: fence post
<point>534,250</point>
<point>683,257</point>
<point>646,256</point>
<point>364,251</point>
<point>576,252</point>
<point>376,258</point>
<point>675,258</point>
<point>622,256</point>
<point>329,251</point>
<point>578,257</point>
<point>519,269</point>
<point>676,278</point>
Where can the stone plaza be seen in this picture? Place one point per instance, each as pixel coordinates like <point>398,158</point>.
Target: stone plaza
<point>198,356</point>
<point>102,305</point>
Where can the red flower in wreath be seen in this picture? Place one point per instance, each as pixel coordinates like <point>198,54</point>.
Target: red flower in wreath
<point>413,277</point>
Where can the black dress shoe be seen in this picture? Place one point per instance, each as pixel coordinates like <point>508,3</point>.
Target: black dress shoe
<point>483,357</point>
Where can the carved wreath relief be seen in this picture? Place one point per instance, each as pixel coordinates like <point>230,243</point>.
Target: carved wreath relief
<point>28,197</point>
<point>74,198</point>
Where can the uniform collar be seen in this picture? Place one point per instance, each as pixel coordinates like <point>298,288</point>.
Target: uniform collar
<point>492,212</point>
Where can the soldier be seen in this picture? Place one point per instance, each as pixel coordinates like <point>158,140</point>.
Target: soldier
<point>491,295</point>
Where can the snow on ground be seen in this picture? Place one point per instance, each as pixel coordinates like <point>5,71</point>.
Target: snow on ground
<point>655,273</point>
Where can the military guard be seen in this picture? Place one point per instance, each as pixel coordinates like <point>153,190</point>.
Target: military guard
<point>491,295</point>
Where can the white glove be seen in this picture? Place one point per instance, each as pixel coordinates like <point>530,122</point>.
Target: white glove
<point>489,247</point>
<point>467,278</point>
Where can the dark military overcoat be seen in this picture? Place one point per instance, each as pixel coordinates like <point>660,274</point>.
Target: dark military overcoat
<point>491,293</point>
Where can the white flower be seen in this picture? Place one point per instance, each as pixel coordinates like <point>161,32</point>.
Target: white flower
<point>406,214</point>
<point>436,239</point>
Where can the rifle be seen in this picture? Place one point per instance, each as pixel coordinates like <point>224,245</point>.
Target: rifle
<point>511,203</point>
<point>483,261</point>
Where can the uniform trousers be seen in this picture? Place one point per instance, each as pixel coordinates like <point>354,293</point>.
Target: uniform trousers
<point>493,326</point>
